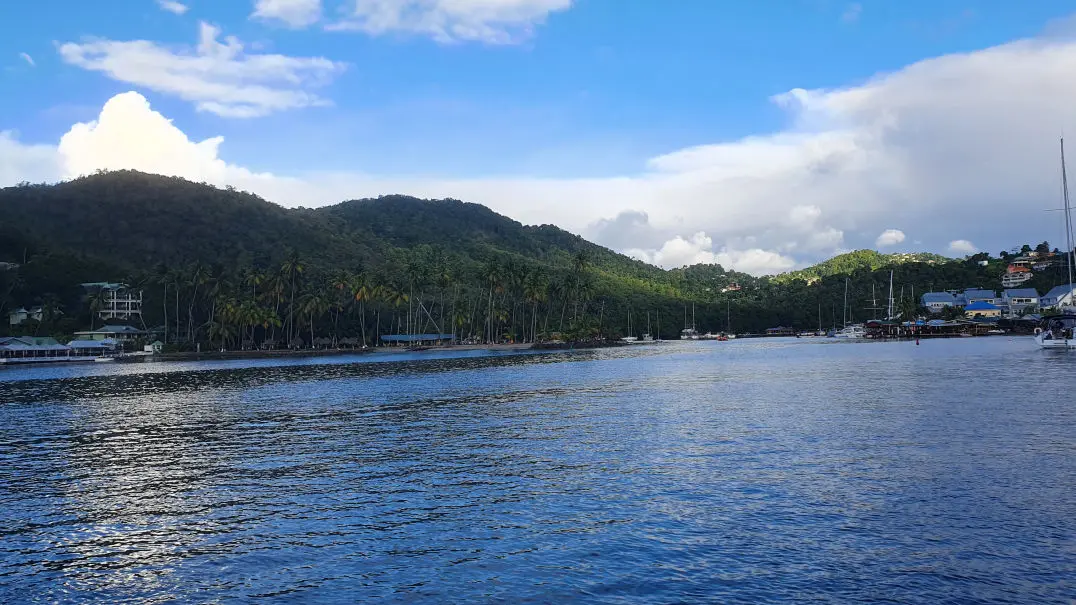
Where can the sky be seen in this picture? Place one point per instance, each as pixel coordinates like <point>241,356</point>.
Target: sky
<point>762,135</point>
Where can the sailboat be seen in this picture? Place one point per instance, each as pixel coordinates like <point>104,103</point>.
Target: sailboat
<point>728,320</point>
<point>630,338</point>
<point>647,337</point>
<point>1060,331</point>
<point>689,333</point>
<point>849,331</point>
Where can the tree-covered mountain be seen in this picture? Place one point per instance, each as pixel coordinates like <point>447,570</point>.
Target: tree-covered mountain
<point>224,266</point>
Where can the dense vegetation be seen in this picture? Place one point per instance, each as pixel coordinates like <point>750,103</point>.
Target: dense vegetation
<point>225,267</point>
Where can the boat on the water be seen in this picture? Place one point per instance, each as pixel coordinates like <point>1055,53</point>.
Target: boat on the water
<point>1058,330</point>
<point>852,331</point>
<point>689,333</point>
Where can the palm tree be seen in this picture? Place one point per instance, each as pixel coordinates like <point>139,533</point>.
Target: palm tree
<point>362,290</point>
<point>314,304</point>
<point>492,273</point>
<point>534,291</point>
<point>292,270</point>
<point>162,276</point>
<point>197,275</point>
<point>50,310</point>
<point>96,300</point>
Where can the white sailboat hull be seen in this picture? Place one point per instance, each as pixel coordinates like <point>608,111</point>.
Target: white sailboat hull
<point>1054,343</point>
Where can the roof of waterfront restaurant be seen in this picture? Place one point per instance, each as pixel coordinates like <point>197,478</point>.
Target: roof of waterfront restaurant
<point>416,337</point>
<point>973,293</point>
<point>980,305</point>
<point>106,343</point>
<point>938,297</point>
<point>113,330</point>
<point>1021,293</point>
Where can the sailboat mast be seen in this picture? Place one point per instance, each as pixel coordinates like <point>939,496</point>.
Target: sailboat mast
<point>728,316</point>
<point>844,311</point>
<point>890,311</point>
<point>1068,218</point>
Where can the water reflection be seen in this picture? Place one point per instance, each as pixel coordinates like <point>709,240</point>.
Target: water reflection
<point>744,471</point>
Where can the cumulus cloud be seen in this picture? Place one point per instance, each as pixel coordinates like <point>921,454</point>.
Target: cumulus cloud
<point>22,162</point>
<point>699,248</point>
<point>217,76</point>
<point>962,246</point>
<point>889,237</point>
<point>176,8</point>
<point>447,21</point>
<point>293,13</point>
<point>937,144</point>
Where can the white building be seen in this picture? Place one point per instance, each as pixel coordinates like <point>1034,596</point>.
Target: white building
<point>119,301</point>
<point>1061,296</point>
<point>21,314</point>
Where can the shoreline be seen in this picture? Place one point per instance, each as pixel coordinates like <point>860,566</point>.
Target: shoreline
<point>305,353</point>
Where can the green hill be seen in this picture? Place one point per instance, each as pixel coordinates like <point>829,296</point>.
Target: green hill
<point>224,266</point>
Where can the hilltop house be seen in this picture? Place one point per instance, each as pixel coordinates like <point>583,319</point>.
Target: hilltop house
<point>936,301</point>
<point>1017,300</point>
<point>118,301</point>
<point>1061,296</point>
<point>982,309</point>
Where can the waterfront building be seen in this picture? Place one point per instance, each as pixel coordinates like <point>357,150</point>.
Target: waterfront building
<point>982,309</point>
<point>115,333</point>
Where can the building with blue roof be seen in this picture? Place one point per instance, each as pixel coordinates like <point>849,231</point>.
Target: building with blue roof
<point>935,302</point>
<point>1019,300</point>
<point>981,308</point>
<point>1061,296</point>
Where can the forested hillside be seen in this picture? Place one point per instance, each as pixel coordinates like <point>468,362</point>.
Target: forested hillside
<point>226,267</point>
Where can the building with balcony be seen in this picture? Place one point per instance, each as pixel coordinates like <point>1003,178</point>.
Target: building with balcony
<point>118,300</point>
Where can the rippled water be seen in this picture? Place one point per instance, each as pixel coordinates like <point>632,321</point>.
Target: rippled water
<point>745,471</point>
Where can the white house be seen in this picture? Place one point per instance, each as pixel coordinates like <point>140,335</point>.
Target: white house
<point>119,301</point>
<point>1061,296</point>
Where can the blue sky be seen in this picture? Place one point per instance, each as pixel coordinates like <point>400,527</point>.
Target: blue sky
<point>551,89</point>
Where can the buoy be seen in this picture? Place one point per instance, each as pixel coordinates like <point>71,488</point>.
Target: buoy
<point>1038,331</point>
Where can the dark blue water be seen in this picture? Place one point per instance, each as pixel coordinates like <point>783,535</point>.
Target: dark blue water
<point>747,471</point>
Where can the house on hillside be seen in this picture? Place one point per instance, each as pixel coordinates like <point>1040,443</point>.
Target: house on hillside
<point>982,309</point>
<point>118,300</point>
<point>20,315</point>
<point>935,302</point>
<point>1017,300</point>
<point>1061,296</point>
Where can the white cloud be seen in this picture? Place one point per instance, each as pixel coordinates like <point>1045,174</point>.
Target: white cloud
<point>172,6</point>
<point>852,12</point>
<point>20,162</point>
<point>889,237</point>
<point>217,76</point>
<point>293,13</point>
<point>680,251</point>
<point>962,246</point>
<point>446,21</point>
<point>28,59</point>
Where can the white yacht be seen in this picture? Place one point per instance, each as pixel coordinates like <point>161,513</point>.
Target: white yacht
<point>852,331</point>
